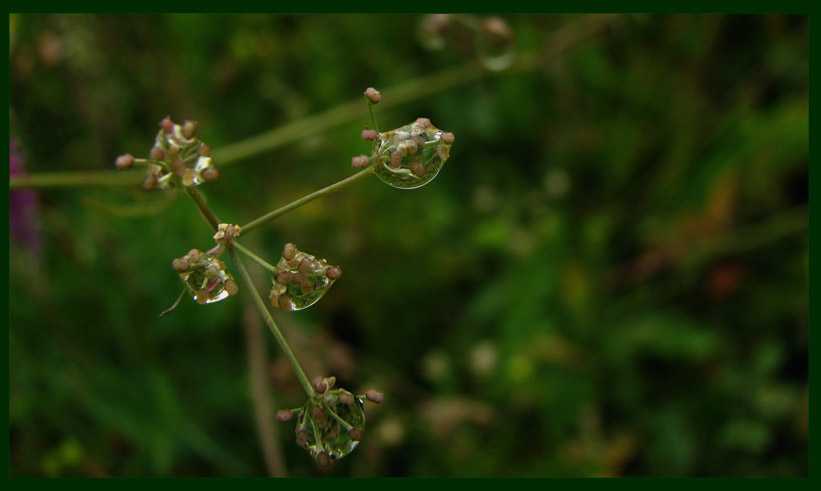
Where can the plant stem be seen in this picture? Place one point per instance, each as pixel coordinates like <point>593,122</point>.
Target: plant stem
<point>373,116</point>
<point>269,319</point>
<point>307,199</point>
<point>199,199</point>
<point>254,257</point>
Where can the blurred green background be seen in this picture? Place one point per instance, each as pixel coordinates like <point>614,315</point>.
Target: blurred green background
<point>609,277</point>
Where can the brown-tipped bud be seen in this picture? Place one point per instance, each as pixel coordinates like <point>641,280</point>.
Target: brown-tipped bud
<point>360,161</point>
<point>189,129</point>
<point>289,251</point>
<point>370,134</point>
<point>178,166</point>
<point>150,181</point>
<point>356,435</point>
<point>302,438</point>
<point>210,174</point>
<point>323,460</point>
<point>204,150</point>
<point>167,125</point>
<point>157,153</point>
<point>374,396</point>
<point>181,264</point>
<point>418,140</point>
<point>345,398</point>
<point>305,266</point>
<point>231,287</point>
<point>320,385</point>
<point>283,277</point>
<point>202,296</point>
<point>447,138</point>
<point>124,161</point>
<point>285,303</point>
<point>423,122</point>
<point>395,159</point>
<point>373,95</point>
<point>333,273</point>
<point>418,169</point>
<point>284,415</point>
<point>318,413</point>
<point>172,152</point>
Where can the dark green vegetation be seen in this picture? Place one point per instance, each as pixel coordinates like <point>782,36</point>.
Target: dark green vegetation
<point>608,277</point>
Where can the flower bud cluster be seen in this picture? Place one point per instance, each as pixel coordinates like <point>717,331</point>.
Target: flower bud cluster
<point>178,157</point>
<point>411,156</point>
<point>331,424</point>
<point>226,233</point>
<point>205,277</point>
<point>300,279</point>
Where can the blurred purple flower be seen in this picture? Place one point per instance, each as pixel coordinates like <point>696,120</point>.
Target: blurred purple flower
<point>22,206</point>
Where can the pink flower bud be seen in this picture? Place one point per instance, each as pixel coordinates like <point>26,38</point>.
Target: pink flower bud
<point>167,125</point>
<point>124,161</point>
<point>374,396</point>
<point>373,95</point>
<point>370,134</point>
<point>360,161</point>
<point>284,415</point>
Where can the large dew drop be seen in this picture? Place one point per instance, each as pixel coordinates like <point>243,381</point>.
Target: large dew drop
<point>325,424</point>
<point>206,278</point>
<point>300,279</point>
<point>411,156</point>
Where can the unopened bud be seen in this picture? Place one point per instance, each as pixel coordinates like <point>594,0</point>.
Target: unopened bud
<point>320,385</point>
<point>181,264</point>
<point>424,122</point>
<point>418,169</point>
<point>167,125</point>
<point>189,129</point>
<point>374,396</point>
<point>178,166</point>
<point>124,161</point>
<point>150,181</point>
<point>494,26</point>
<point>345,398</point>
<point>323,460</point>
<point>302,438</point>
<point>355,434</point>
<point>447,138</point>
<point>231,287</point>
<point>373,95</point>
<point>395,159</point>
<point>157,153</point>
<point>284,415</point>
<point>370,134</point>
<point>204,150</point>
<point>289,251</point>
<point>210,174</point>
<point>333,273</point>
<point>318,413</point>
<point>360,161</point>
<point>202,296</point>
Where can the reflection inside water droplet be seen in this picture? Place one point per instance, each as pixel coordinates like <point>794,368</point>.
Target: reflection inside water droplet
<point>318,430</point>
<point>301,281</point>
<point>411,156</point>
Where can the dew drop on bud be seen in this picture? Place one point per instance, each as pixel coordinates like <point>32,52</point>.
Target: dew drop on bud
<point>495,44</point>
<point>412,155</point>
<point>320,433</point>
<point>300,279</point>
<point>206,278</point>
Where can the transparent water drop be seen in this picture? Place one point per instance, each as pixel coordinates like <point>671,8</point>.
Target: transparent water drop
<point>300,280</point>
<point>318,430</point>
<point>206,278</point>
<point>411,156</point>
<point>495,45</point>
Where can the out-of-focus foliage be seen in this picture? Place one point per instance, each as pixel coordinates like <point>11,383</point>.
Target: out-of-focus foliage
<point>608,277</point>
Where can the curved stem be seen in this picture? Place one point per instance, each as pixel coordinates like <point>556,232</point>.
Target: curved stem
<point>307,199</point>
<point>272,326</point>
<point>262,262</point>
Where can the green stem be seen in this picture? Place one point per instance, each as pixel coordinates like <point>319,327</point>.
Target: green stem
<point>266,315</point>
<point>254,257</point>
<point>373,116</point>
<point>307,199</point>
<point>199,199</point>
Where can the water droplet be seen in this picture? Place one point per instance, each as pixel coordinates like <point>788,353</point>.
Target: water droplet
<point>495,45</point>
<point>206,278</point>
<point>411,156</point>
<point>301,281</point>
<point>325,424</point>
